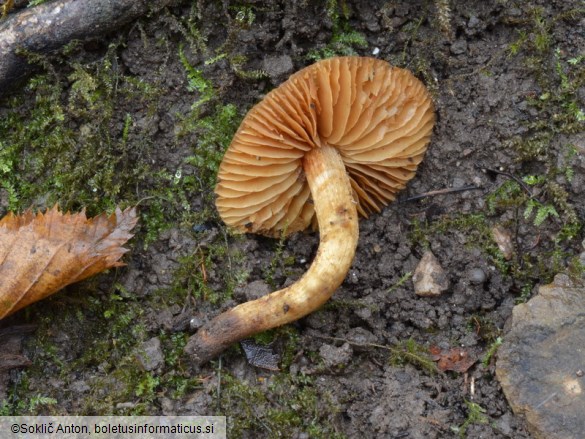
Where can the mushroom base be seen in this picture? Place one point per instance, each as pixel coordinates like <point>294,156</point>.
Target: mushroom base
<point>338,227</point>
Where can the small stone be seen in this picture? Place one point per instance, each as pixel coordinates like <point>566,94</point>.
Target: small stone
<point>361,338</point>
<point>458,182</point>
<point>473,21</point>
<point>477,276</point>
<point>125,405</point>
<point>195,323</point>
<point>334,357</point>
<point>167,406</point>
<point>255,290</point>
<point>429,277</point>
<point>150,354</point>
<point>278,67</point>
<point>164,319</point>
<point>79,386</point>
<point>504,424</point>
<point>459,47</point>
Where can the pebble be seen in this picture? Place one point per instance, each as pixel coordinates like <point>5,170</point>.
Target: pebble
<point>195,323</point>
<point>150,354</point>
<point>459,47</point>
<point>429,277</point>
<point>278,67</point>
<point>473,21</point>
<point>79,386</point>
<point>477,276</point>
<point>333,356</point>
<point>256,289</point>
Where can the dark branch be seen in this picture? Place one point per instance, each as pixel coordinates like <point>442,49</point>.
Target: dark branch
<point>46,28</point>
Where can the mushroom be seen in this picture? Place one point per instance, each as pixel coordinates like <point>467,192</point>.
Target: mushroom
<point>337,139</point>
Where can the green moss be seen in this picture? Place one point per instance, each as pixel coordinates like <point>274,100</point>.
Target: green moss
<point>196,81</point>
<point>190,278</point>
<point>27,405</point>
<point>344,40</point>
<point>559,77</point>
<point>78,143</point>
<point>215,133</point>
<point>491,351</point>
<point>285,406</point>
<point>66,147</point>
<point>244,17</point>
<point>475,415</point>
<point>411,352</point>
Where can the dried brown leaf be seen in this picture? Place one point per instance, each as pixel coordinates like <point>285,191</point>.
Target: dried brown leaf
<point>44,252</point>
<point>455,359</point>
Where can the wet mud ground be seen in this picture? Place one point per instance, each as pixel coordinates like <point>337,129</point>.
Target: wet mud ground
<point>508,84</point>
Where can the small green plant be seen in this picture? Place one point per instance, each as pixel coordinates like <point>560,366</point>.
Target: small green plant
<point>196,81</point>
<point>146,387</point>
<point>215,133</point>
<point>475,415</point>
<point>27,406</point>
<point>443,8</point>
<point>288,403</point>
<point>245,17</point>
<point>344,39</point>
<point>411,352</point>
<point>543,211</point>
<point>403,279</point>
<point>491,351</point>
<point>542,32</point>
<point>515,47</point>
<point>276,260</point>
<point>525,293</point>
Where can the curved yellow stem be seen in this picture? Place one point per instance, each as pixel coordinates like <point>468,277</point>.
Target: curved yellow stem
<point>338,228</point>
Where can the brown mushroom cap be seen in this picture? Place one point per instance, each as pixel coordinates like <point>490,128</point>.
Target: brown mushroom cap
<point>377,116</point>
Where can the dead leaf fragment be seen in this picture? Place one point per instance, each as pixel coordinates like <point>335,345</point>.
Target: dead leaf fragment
<point>455,359</point>
<point>44,252</point>
<point>503,239</point>
<point>260,356</point>
<point>11,346</point>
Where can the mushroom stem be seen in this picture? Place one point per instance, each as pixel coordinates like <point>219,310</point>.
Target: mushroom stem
<point>338,228</point>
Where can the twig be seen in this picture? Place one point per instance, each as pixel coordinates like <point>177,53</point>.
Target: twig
<point>512,177</point>
<point>219,383</point>
<point>48,27</point>
<point>355,343</point>
<point>441,192</point>
<point>425,363</point>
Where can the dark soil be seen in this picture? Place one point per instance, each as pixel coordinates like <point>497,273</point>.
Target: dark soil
<point>509,89</point>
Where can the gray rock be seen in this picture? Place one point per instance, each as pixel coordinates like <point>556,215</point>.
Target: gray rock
<point>255,290</point>
<point>278,68</point>
<point>361,336</point>
<point>195,323</point>
<point>79,386</point>
<point>459,47</point>
<point>150,354</point>
<point>333,356</point>
<point>473,21</point>
<point>477,276</point>
<point>125,405</point>
<point>539,362</point>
